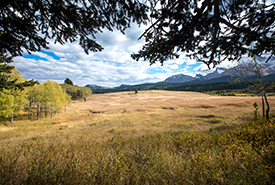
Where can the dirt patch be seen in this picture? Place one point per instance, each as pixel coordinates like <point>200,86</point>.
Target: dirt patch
<point>169,108</point>
<point>207,116</point>
<point>95,112</point>
<point>204,106</point>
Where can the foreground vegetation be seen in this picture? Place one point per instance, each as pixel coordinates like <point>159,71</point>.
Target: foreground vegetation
<point>244,155</point>
<point>176,138</point>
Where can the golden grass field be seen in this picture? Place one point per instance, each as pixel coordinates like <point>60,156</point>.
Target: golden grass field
<point>152,137</point>
<point>129,114</point>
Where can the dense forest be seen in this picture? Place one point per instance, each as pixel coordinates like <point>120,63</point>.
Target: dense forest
<point>240,87</point>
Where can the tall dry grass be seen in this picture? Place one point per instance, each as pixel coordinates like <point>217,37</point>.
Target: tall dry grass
<point>152,137</point>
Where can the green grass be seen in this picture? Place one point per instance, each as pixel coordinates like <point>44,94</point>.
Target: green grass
<point>241,155</point>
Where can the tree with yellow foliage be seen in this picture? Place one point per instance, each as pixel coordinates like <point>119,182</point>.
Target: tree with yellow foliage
<point>12,101</point>
<point>49,98</point>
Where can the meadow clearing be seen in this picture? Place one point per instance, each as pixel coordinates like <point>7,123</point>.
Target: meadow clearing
<point>150,137</point>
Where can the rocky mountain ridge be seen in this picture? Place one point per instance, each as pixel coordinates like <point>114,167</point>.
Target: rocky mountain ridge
<point>219,75</point>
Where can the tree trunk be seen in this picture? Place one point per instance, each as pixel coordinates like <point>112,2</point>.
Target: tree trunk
<point>29,110</point>
<point>11,118</point>
<point>41,109</point>
<point>267,107</point>
<point>46,112</point>
<point>38,111</point>
<point>263,105</point>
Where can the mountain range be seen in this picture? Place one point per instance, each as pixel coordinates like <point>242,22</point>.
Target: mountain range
<point>181,78</point>
<point>93,87</point>
<point>218,76</point>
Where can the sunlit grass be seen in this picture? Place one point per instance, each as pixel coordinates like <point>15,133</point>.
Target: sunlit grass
<point>122,138</point>
<point>233,156</point>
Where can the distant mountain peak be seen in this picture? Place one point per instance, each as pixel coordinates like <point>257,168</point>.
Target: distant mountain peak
<point>123,85</point>
<point>198,76</point>
<point>179,78</point>
<point>220,70</point>
<point>92,87</point>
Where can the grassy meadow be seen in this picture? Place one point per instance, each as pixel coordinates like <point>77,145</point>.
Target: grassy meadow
<point>152,137</point>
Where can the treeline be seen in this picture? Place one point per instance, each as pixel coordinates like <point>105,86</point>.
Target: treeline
<point>200,87</point>
<point>75,91</point>
<point>244,87</point>
<point>211,86</point>
<point>41,100</point>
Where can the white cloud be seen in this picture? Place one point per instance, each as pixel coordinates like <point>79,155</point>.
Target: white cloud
<point>111,67</point>
<point>201,68</point>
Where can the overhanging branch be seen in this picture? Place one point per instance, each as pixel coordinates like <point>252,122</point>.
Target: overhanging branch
<point>238,29</point>
<point>194,20</point>
<point>162,17</point>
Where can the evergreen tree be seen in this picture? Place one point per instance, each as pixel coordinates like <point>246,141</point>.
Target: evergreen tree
<point>28,24</point>
<point>5,71</point>
<point>68,81</point>
<point>209,31</point>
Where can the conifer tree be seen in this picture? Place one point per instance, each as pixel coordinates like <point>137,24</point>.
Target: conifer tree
<point>209,31</point>
<point>68,81</point>
<point>28,24</point>
<point>5,71</point>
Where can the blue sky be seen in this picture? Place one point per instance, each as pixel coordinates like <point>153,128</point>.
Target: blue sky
<point>111,67</point>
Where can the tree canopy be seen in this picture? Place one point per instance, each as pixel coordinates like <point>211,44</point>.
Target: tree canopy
<point>29,24</point>
<point>68,81</point>
<point>6,82</point>
<point>49,97</point>
<point>13,100</point>
<point>76,91</point>
<point>209,31</point>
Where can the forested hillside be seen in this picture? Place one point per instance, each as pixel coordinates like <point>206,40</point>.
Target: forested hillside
<point>199,87</point>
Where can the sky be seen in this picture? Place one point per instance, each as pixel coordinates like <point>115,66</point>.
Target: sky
<point>109,68</point>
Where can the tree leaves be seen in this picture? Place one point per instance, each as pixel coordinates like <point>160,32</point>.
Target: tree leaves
<point>28,24</point>
<point>210,31</point>
<point>12,100</point>
<point>49,96</point>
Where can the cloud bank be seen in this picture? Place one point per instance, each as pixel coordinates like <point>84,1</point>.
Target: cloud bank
<point>111,67</point>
